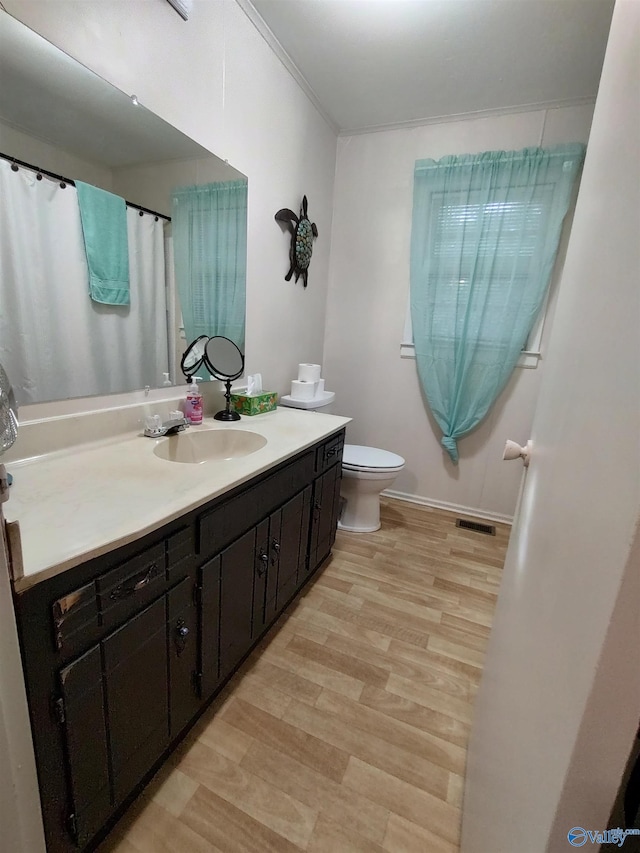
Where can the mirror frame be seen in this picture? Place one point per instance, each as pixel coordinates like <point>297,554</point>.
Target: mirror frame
<point>188,372</point>
<point>211,367</point>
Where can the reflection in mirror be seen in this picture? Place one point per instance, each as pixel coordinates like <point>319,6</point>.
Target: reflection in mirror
<point>60,117</point>
<point>210,240</point>
<point>224,361</point>
<point>193,356</point>
<point>8,413</point>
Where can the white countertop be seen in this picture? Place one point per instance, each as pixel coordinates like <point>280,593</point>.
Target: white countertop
<point>75,504</point>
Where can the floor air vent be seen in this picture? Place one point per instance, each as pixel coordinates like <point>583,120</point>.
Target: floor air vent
<point>489,529</point>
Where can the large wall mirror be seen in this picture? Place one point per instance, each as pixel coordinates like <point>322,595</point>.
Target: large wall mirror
<point>55,341</point>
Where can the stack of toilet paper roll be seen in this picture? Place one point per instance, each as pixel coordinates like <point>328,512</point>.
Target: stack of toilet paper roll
<point>309,383</point>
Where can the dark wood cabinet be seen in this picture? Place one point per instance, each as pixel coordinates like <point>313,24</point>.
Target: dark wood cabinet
<point>182,639</point>
<point>241,590</point>
<point>81,710</point>
<point>324,515</point>
<point>137,696</point>
<point>123,653</point>
<point>209,599</point>
<point>286,546</point>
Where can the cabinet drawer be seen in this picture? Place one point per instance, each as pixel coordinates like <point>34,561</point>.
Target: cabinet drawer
<point>279,487</point>
<point>180,553</point>
<point>218,528</point>
<point>131,585</point>
<point>76,619</point>
<point>329,453</point>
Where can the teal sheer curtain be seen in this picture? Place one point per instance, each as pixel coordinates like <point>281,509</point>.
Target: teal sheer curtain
<point>484,238</point>
<point>209,227</point>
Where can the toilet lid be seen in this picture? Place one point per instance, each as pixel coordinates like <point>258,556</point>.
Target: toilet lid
<point>358,456</point>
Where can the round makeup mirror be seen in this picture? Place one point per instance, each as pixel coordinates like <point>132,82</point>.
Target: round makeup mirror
<point>224,360</point>
<point>193,356</point>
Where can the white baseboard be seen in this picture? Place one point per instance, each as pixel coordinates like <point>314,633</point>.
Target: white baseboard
<point>457,508</point>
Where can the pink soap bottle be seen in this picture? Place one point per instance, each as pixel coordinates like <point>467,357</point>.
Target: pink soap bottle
<point>193,402</point>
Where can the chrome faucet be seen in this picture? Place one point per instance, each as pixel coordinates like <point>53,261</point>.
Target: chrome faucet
<point>155,427</point>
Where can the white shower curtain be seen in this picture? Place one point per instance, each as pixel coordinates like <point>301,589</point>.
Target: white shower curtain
<point>55,342</point>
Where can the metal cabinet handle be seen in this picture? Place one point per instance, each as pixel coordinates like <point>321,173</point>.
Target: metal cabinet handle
<point>125,591</point>
<point>181,634</point>
<point>264,560</point>
<point>276,548</point>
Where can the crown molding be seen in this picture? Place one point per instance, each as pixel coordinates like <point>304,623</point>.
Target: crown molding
<point>477,114</point>
<point>267,34</point>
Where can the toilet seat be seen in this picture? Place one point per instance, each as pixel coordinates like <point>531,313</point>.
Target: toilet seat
<point>356,457</point>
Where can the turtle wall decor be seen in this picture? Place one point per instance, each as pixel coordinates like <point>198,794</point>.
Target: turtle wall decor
<point>302,233</point>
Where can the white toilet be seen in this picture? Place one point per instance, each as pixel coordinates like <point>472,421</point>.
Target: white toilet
<point>366,471</point>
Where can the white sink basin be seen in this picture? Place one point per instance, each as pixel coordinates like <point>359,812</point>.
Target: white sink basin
<point>209,445</point>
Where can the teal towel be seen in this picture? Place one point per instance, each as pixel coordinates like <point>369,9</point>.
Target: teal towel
<point>104,227</point>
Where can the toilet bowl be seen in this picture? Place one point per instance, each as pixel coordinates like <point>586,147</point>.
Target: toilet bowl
<point>366,471</point>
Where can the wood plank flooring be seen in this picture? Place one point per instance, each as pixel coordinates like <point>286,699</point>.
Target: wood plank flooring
<point>346,730</point>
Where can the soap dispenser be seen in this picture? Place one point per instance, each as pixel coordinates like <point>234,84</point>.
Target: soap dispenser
<point>193,402</point>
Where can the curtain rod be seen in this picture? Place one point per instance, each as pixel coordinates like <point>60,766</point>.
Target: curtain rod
<point>63,180</point>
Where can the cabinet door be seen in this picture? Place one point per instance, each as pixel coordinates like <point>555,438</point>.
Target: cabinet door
<point>289,542</point>
<point>325,503</point>
<point>237,590</point>
<point>265,576</point>
<point>136,667</point>
<point>85,733</point>
<point>270,545</point>
<point>305,531</point>
<point>183,650</point>
<point>209,627</point>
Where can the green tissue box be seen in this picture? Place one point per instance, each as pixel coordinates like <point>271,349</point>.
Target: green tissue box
<point>257,405</point>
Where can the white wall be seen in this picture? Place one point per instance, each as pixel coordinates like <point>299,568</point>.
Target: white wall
<point>559,701</point>
<point>36,151</point>
<point>368,293</point>
<point>20,820</point>
<point>216,80</point>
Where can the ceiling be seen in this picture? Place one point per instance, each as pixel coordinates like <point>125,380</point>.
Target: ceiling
<point>370,64</point>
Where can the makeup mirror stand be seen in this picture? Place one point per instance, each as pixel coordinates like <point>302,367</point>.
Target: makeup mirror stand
<point>227,414</point>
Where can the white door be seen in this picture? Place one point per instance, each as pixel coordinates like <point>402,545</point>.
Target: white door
<point>559,702</point>
<point>20,822</point>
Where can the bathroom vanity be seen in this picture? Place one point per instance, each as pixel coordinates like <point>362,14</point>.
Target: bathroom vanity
<point>124,645</point>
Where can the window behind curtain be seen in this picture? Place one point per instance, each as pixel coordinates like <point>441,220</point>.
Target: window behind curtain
<point>517,229</point>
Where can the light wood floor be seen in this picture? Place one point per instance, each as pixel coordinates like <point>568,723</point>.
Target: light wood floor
<point>346,730</point>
